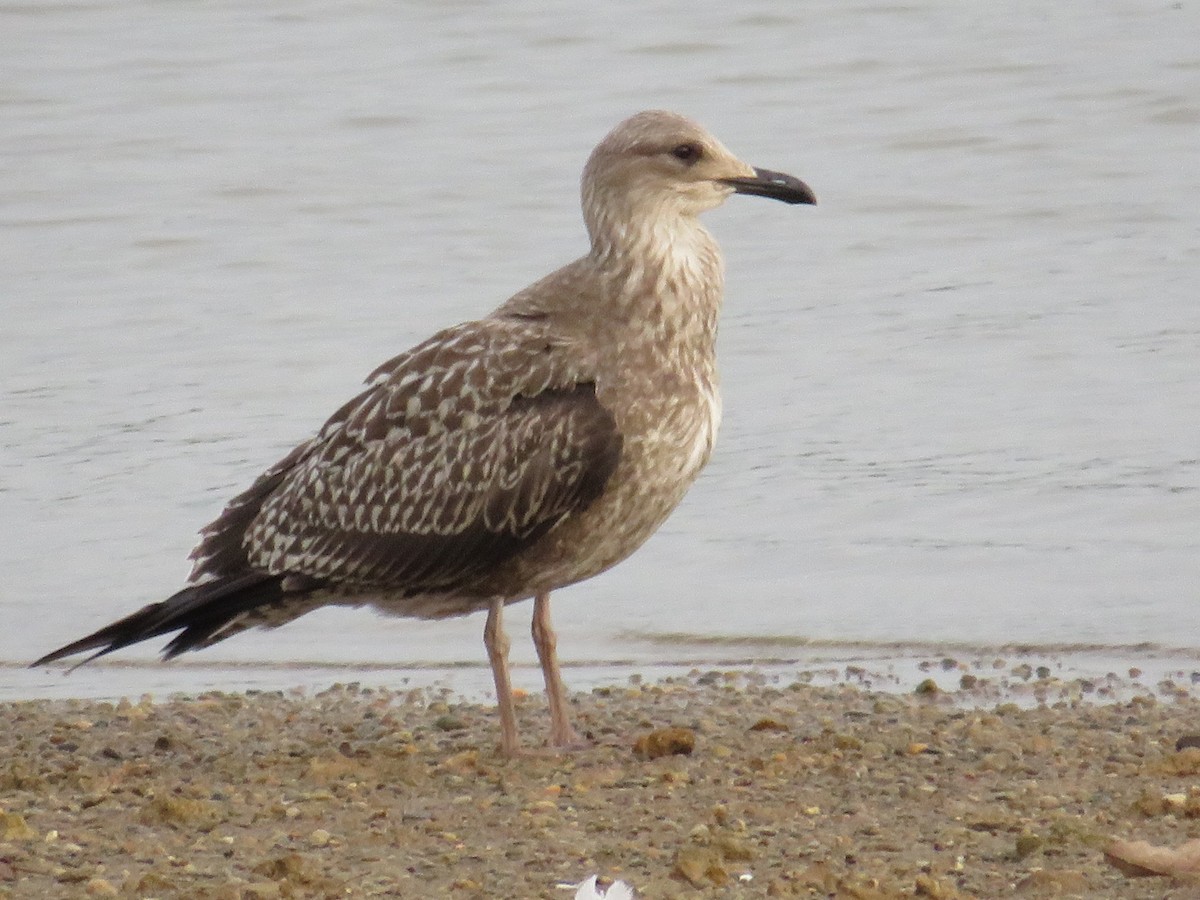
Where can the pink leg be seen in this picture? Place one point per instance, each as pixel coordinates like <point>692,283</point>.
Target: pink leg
<point>546,642</point>
<point>497,644</point>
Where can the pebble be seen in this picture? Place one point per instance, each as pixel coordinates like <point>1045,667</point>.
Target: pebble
<point>863,795</point>
<point>665,742</point>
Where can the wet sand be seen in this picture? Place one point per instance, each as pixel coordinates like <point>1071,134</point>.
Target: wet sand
<point>790,789</point>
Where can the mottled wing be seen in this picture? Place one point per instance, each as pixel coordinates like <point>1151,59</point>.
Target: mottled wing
<point>459,454</point>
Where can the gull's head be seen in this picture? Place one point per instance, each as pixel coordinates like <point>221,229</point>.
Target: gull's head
<point>659,163</point>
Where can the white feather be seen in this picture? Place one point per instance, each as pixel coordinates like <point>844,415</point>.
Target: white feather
<point>587,890</point>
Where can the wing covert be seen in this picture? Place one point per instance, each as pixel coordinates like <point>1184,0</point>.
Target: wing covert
<point>460,453</point>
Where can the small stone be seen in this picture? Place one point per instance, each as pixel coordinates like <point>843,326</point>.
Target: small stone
<point>1185,762</point>
<point>1175,802</point>
<point>700,866</point>
<point>768,724</point>
<point>1027,843</point>
<point>928,886</point>
<point>100,887</point>
<point>1054,883</point>
<point>260,890</point>
<point>173,810</point>
<point>927,688</point>
<point>665,742</point>
<point>818,875</point>
<point>13,827</point>
<point>289,867</point>
<point>734,849</point>
<point>319,838</point>
<point>1151,804</point>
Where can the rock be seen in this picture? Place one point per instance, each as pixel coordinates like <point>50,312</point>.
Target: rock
<point>173,810</point>
<point>934,888</point>
<point>733,849</point>
<point>700,866</point>
<point>1054,883</point>
<point>260,890</point>
<point>1185,762</point>
<point>289,867</point>
<point>1027,843</point>
<point>665,742</point>
<point>13,827</point>
<point>769,724</point>
<point>100,887</point>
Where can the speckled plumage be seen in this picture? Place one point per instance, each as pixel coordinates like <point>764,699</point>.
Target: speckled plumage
<point>461,452</point>
<point>503,458</point>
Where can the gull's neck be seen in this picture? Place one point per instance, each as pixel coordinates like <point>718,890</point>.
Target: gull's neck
<point>663,268</point>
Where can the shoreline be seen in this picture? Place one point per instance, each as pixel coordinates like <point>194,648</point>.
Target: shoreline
<point>1020,672</point>
<point>791,789</point>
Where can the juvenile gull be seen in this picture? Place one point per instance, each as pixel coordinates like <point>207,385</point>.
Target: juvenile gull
<point>503,458</point>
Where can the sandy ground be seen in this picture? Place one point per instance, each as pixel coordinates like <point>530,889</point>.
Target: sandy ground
<point>789,790</point>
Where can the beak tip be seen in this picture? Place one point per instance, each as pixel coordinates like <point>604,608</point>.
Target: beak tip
<point>806,196</point>
<point>790,189</point>
<point>776,186</point>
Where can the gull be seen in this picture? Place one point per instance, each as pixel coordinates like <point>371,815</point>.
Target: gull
<point>504,458</point>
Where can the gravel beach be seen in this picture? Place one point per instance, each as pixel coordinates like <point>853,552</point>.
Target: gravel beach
<point>739,786</point>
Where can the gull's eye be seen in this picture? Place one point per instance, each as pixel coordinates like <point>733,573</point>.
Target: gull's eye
<point>687,153</point>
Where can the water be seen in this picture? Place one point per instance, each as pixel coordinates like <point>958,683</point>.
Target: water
<point>961,394</point>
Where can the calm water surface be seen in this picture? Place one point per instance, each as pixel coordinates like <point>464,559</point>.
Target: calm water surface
<point>961,394</point>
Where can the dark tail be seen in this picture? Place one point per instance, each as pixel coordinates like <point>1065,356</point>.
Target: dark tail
<point>198,613</point>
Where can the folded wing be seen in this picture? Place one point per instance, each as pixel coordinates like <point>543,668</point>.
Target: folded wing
<point>459,454</point>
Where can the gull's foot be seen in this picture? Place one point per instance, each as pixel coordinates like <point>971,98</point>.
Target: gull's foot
<point>559,745</point>
<point>570,742</point>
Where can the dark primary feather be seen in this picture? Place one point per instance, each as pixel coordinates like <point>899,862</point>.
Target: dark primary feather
<point>461,453</point>
<point>191,607</point>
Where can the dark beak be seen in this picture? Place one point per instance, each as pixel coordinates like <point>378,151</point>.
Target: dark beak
<point>775,185</point>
